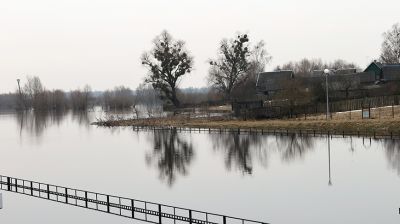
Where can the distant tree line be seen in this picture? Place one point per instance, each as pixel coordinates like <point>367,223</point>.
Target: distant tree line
<point>34,96</point>
<point>232,75</point>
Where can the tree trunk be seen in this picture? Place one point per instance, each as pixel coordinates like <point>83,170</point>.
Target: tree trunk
<point>174,99</point>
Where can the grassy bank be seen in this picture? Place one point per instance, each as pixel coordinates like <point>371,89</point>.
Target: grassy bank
<point>370,126</point>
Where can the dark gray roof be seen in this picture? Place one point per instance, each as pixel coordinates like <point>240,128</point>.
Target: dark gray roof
<point>391,72</point>
<point>272,81</point>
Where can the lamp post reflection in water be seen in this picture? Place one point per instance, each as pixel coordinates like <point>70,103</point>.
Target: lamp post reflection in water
<point>329,160</point>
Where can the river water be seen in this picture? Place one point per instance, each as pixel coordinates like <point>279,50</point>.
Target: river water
<point>276,179</point>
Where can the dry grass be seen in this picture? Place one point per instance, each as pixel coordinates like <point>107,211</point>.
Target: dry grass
<point>383,126</point>
<point>376,113</point>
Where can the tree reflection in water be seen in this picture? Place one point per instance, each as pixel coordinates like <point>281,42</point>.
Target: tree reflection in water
<point>392,149</point>
<point>82,117</point>
<point>36,122</point>
<point>240,149</point>
<point>171,155</point>
<point>294,147</point>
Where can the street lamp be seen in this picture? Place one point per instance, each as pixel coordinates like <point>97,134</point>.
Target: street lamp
<point>327,72</point>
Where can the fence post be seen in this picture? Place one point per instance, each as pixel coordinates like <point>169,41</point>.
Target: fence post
<point>48,191</point>
<point>393,108</point>
<point>190,217</point>
<point>224,219</point>
<point>31,188</point>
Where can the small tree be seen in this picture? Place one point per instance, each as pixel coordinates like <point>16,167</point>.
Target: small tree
<point>148,98</point>
<point>167,62</point>
<point>235,62</point>
<point>391,45</point>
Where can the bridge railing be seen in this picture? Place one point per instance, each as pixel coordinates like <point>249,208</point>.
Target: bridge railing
<point>126,207</point>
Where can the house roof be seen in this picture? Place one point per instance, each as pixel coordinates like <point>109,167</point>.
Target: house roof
<point>385,71</point>
<point>271,81</point>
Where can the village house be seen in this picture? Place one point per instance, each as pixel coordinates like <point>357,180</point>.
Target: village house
<point>343,83</point>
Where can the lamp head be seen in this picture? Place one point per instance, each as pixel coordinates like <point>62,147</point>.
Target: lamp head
<point>327,71</point>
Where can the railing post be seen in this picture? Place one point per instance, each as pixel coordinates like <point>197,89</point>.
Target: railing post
<point>9,183</point>
<point>31,188</point>
<point>190,216</point>
<point>86,199</point>
<point>159,214</point>
<point>66,195</point>
<point>108,203</point>
<point>48,191</point>
<point>224,219</point>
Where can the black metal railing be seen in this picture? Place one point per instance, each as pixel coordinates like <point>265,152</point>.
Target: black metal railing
<point>126,207</point>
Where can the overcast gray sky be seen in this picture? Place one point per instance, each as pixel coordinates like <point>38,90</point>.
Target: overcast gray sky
<point>99,42</point>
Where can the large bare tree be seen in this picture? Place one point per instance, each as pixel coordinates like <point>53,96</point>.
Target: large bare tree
<point>391,45</point>
<point>167,62</point>
<point>235,63</point>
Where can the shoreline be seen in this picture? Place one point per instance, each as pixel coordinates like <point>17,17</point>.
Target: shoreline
<point>369,127</point>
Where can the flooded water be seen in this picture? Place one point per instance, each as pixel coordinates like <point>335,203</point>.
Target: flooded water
<point>276,179</point>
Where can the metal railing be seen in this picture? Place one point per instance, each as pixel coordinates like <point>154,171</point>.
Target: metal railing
<point>126,207</point>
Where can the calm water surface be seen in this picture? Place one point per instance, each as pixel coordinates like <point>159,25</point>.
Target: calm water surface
<point>277,179</point>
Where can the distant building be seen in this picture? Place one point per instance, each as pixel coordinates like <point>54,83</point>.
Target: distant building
<point>384,72</point>
<point>269,83</point>
<point>343,83</point>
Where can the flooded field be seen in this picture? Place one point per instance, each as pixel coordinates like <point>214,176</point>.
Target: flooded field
<point>276,179</point>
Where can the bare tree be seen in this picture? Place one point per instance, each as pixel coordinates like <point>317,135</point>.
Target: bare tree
<point>294,93</point>
<point>167,62</point>
<point>80,98</point>
<point>235,62</point>
<point>35,93</point>
<point>120,98</point>
<point>305,67</point>
<point>390,52</point>
<point>344,83</point>
<point>148,98</point>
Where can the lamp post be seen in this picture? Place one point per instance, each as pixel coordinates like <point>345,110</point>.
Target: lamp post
<point>327,72</point>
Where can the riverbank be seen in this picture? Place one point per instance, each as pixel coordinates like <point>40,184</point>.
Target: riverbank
<point>366,126</point>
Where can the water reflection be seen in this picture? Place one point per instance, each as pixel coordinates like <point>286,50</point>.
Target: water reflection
<point>82,118</point>
<point>171,154</point>
<point>392,152</point>
<point>294,147</point>
<point>329,160</point>
<point>239,150</point>
<point>36,123</point>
